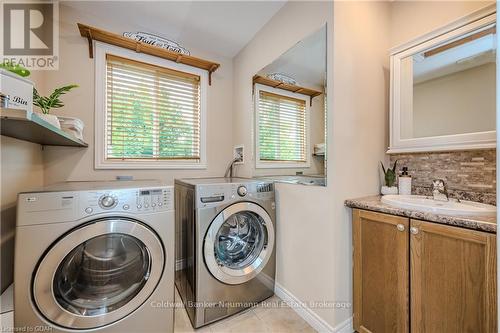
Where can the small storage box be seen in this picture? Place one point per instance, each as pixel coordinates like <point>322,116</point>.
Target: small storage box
<point>19,90</point>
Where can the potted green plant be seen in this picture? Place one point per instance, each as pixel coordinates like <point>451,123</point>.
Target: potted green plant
<point>51,102</point>
<point>389,179</point>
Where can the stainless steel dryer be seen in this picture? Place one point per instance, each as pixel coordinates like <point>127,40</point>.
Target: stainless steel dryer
<point>225,254</point>
<point>95,256</point>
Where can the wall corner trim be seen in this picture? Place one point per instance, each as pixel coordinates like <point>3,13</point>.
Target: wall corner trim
<point>318,323</point>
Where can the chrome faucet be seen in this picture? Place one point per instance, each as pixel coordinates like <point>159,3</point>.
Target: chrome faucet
<point>439,191</point>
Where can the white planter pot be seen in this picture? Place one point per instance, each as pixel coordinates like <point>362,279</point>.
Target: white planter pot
<point>385,190</point>
<point>50,118</point>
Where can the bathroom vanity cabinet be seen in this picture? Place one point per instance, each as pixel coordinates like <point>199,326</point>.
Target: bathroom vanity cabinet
<point>418,276</point>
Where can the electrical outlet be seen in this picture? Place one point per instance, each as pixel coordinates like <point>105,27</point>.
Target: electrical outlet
<point>238,152</point>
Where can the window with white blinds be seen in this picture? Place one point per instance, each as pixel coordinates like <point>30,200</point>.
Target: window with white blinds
<point>152,112</point>
<point>282,128</point>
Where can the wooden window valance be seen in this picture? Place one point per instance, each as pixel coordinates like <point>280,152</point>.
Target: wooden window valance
<point>92,34</point>
<point>289,87</point>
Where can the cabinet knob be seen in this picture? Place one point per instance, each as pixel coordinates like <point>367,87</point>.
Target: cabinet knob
<point>401,227</point>
<point>413,230</point>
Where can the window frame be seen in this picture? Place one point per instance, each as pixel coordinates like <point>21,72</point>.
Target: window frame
<point>100,161</point>
<point>263,164</point>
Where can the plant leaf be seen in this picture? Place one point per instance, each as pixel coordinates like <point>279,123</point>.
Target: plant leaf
<point>390,178</point>
<point>394,167</point>
<point>53,101</point>
<point>383,167</point>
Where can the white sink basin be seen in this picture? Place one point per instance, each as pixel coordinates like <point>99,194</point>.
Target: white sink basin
<point>427,204</point>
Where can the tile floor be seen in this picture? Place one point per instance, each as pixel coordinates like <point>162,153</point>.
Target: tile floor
<point>273,315</point>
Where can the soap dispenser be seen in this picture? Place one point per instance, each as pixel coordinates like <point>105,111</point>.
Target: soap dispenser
<point>404,184</point>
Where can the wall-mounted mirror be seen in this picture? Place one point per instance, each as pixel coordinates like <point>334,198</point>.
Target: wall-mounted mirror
<point>290,113</point>
<point>444,89</point>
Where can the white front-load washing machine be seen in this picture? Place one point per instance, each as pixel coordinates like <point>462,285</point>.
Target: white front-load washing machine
<point>226,257</point>
<point>95,256</point>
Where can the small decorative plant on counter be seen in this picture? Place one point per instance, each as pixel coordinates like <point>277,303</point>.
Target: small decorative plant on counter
<point>51,102</point>
<point>389,179</point>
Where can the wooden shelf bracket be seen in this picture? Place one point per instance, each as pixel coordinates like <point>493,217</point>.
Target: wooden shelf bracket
<point>91,44</point>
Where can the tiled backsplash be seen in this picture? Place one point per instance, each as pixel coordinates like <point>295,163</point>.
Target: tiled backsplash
<point>469,175</point>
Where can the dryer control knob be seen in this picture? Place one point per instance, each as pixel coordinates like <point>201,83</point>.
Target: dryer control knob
<point>107,201</point>
<point>242,191</point>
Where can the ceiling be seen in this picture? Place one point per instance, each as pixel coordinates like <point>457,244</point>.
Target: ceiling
<point>305,61</point>
<point>218,27</point>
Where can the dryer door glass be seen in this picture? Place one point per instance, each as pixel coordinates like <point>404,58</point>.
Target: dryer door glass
<point>239,243</point>
<point>240,240</point>
<point>102,274</point>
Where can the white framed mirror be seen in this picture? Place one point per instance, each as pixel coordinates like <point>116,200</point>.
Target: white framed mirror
<point>443,88</point>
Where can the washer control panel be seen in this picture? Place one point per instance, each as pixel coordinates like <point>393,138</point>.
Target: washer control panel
<point>144,200</point>
<point>217,194</point>
<point>152,199</point>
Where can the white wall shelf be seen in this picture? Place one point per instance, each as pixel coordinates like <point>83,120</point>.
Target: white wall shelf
<point>27,126</point>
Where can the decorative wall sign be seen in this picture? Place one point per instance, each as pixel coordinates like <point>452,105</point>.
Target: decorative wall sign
<point>158,41</point>
<point>282,78</point>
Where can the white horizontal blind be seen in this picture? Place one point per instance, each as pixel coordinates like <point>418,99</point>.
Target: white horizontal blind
<point>152,113</point>
<point>282,128</point>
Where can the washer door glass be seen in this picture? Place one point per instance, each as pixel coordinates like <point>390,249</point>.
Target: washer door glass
<point>102,274</point>
<point>98,273</point>
<point>240,240</point>
<point>239,243</point>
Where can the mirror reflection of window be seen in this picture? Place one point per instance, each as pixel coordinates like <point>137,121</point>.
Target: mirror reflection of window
<point>282,128</point>
<point>290,112</point>
<point>453,87</point>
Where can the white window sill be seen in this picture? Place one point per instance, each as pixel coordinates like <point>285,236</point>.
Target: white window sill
<point>149,165</point>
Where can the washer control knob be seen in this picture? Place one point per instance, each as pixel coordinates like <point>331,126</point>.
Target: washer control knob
<point>88,210</point>
<point>139,206</point>
<point>242,191</point>
<point>126,207</point>
<point>107,201</point>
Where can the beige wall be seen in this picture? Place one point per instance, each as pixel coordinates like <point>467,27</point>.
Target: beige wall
<point>314,233</point>
<point>462,102</point>
<point>411,19</point>
<point>21,169</point>
<point>63,163</point>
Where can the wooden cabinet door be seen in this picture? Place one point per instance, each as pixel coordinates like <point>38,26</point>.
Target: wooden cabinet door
<point>381,259</point>
<point>453,279</point>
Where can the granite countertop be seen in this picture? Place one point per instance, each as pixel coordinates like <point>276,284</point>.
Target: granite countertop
<point>373,203</point>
